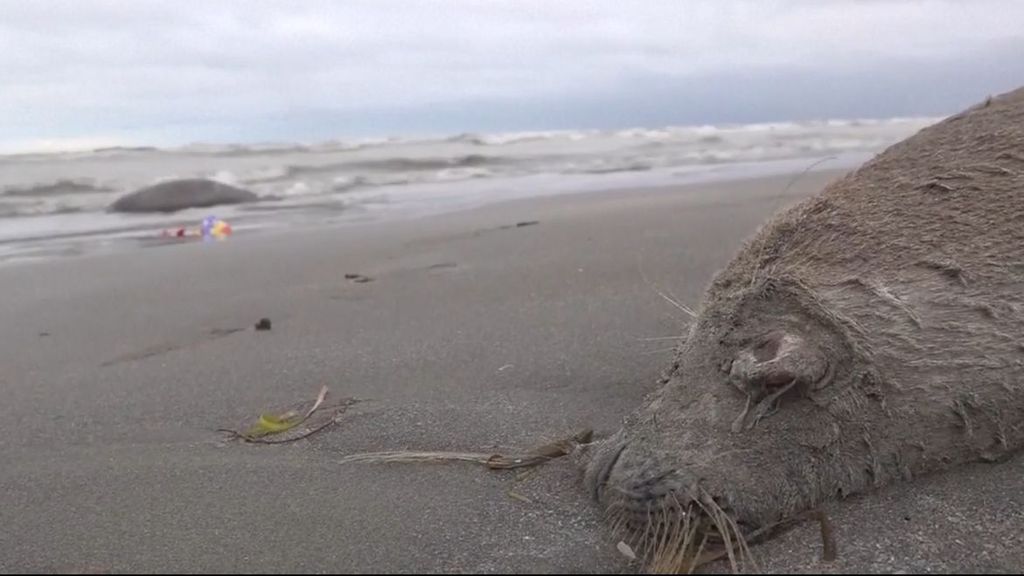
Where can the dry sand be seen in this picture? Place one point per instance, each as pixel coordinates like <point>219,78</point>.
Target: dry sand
<point>474,335</point>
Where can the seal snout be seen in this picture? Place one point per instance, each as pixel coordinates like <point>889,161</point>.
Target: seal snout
<point>667,511</point>
<point>628,481</point>
<point>635,495</point>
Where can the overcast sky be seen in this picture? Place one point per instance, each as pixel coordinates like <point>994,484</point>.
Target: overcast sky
<point>91,72</point>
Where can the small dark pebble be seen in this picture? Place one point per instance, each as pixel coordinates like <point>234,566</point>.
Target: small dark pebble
<point>263,324</point>
<point>907,518</point>
<point>44,334</point>
<point>358,278</point>
<point>351,276</point>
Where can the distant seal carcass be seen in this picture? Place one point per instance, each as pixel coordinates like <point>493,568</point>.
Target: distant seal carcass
<point>178,195</point>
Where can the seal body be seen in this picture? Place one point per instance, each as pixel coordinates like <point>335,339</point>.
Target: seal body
<point>178,195</point>
<point>873,333</point>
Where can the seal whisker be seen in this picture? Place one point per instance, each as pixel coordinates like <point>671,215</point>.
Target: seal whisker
<point>712,513</point>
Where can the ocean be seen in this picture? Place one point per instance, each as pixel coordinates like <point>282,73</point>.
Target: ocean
<point>56,203</point>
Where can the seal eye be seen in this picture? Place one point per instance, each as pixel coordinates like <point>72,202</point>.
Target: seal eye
<point>777,361</point>
<point>767,348</point>
<point>774,380</point>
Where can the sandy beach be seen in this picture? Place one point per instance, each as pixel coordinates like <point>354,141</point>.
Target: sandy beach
<point>474,334</point>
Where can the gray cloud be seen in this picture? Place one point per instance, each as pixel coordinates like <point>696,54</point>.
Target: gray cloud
<point>259,69</point>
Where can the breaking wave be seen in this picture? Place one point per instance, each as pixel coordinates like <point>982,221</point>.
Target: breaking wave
<point>58,188</point>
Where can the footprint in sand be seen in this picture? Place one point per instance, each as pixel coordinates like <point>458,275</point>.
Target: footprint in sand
<point>213,334</point>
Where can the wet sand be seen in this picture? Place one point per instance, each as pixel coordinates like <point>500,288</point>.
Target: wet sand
<point>464,331</point>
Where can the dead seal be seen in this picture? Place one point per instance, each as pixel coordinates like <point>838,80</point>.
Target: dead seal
<point>872,334</point>
<point>178,195</point>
